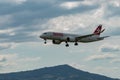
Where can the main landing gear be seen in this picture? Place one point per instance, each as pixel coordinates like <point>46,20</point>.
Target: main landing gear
<point>67,45</point>
<point>76,44</point>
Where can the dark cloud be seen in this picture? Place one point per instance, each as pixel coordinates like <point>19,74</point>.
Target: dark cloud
<point>26,15</point>
<point>30,16</point>
<point>30,11</point>
<point>113,11</point>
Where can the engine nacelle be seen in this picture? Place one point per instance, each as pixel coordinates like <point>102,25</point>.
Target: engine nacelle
<point>56,41</point>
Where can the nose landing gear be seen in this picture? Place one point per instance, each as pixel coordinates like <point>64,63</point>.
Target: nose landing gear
<point>45,41</point>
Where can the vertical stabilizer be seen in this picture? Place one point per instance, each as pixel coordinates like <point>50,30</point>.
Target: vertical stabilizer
<point>98,30</point>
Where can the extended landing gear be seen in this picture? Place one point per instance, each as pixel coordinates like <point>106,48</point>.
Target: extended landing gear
<point>45,41</point>
<point>67,45</point>
<point>76,44</point>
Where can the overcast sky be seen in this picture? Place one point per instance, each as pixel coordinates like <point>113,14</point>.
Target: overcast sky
<point>22,21</point>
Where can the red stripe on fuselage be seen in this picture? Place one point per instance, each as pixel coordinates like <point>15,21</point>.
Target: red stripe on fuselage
<point>58,34</point>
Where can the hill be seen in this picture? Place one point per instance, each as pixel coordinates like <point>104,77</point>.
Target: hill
<point>62,72</point>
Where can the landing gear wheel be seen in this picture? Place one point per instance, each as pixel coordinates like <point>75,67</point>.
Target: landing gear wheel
<point>67,45</point>
<point>76,44</point>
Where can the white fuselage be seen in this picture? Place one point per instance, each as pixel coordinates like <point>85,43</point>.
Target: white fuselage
<point>57,37</point>
<point>72,37</point>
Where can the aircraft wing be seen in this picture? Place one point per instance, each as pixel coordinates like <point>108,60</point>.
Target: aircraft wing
<point>80,37</point>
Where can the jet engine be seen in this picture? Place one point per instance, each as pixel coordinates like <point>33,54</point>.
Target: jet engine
<point>56,41</point>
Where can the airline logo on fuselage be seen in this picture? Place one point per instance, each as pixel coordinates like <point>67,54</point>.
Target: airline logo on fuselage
<point>58,34</point>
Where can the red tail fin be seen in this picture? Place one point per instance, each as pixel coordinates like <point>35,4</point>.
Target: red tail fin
<point>98,30</point>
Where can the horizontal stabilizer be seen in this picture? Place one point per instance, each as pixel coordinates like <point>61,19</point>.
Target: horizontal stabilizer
<point>106,36</point>
<point>102,30</point>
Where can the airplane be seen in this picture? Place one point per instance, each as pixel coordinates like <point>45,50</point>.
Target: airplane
<point>57,37</point>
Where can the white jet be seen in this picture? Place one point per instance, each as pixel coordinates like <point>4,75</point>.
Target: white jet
<point>57,37</point>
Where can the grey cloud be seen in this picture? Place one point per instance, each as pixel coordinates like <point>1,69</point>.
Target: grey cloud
<point>26,15</point>
<point>113,11</point>
<point>19,37</point>
<point>115,31</point>
<point>5,46</point>
<point>101,57</point>
<point>72,0</point>
<point>1,67</point>
<point>31,10</point>
<point>3,60</point>
<point>44,10</point>
<point>109,49</point>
